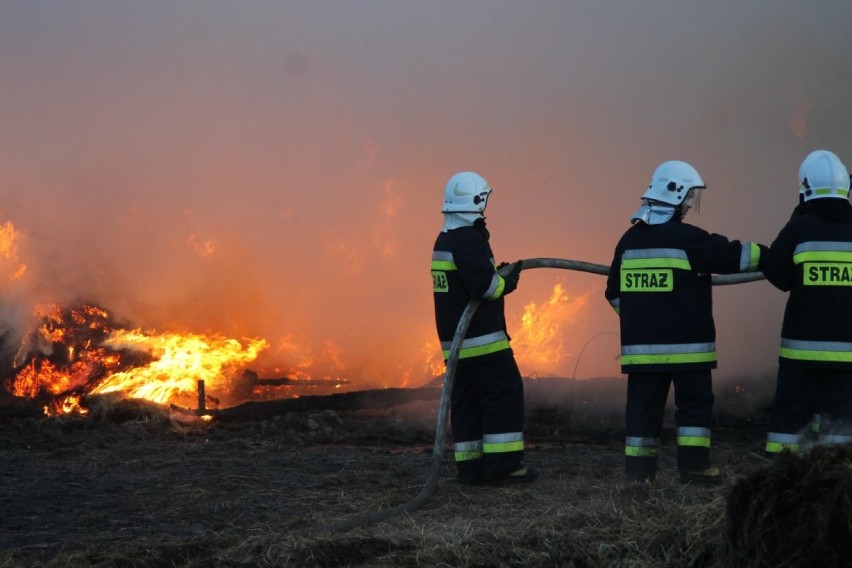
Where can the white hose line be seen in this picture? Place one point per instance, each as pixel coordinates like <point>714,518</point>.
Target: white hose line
<point>447,389</point>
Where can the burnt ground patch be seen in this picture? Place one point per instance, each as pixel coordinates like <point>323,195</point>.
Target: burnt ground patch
<point>159,489</point>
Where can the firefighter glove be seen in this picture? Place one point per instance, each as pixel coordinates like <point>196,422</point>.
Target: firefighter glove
<point>512,277</point>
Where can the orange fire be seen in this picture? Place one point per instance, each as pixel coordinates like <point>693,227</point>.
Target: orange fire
<point>63,352</point>
<point>77,351</point>
<point>178,362</point>
<point>9,238</point>
<point>435,366</point>
<point>800,110</point>
<point>539,343</point>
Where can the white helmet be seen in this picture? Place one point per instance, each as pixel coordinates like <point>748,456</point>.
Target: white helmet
<point>672,182</point>
<point>803,168</point>
<point>466,192</point>
<point>822,174</point>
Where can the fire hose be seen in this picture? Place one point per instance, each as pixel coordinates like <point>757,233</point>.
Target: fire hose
<point>444,405</point>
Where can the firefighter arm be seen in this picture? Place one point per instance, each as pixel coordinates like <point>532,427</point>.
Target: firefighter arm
<point>612,293</point>
<point>778,265</point>
<point>477,271</point>
<point>715,254</point>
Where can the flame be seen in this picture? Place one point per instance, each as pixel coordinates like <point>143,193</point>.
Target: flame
<point>9,237</point>
<point>63,352</point>
<point>435,366</point>
<point>303,363</point>
<point>799,122</point>
<point>539,341</point>
<point>179,362</point>
<point>67,405</point>
<point>538,344</point>
<point>81,350</point>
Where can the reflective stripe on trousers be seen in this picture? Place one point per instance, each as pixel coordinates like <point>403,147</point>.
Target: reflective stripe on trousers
<point>502,443</point>
<point>636,446</point>
<point>466,451</point>
<point>834,439</point>
<point>668,353</point>
<point>693,436</point>
<point>777,442</point>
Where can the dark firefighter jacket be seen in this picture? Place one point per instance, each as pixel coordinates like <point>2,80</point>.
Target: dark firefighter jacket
<point>463,268</point>
<point>659,283</point>
<point>812,259</point>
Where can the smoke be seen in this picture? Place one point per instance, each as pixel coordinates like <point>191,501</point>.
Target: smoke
<point>275,170</point>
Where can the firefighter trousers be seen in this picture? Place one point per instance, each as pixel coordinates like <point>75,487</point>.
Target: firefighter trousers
<point>801,392</point>
<point>646,404</point>
<point>487,417</point>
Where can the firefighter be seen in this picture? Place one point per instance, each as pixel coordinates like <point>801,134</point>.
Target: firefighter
<point>811,258</point>
<point>659,283</point>
<point>487,402</point>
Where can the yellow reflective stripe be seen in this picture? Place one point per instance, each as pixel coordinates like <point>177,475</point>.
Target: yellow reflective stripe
<point>640,451</point>
<point>754,257</point>
<point>480,350</point>
<point>822,256</point>
<point>468,455</point>
<point>778,447</point>
<point>502,443</point>
<point>502,447</point>
<point>831,191</point>
<point>693,441</point>
<point>658,262</point>
<point>500,287</point>
<point>444,265</point>
<point>808,355</point>
<point>777,442</point>
<point>668,358</point>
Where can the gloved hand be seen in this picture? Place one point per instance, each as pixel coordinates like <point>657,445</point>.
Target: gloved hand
<point>512,277</point>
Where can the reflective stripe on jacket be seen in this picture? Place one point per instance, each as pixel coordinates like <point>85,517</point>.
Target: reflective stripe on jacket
<point>811,258</point>
<point>659,283</point>
<point>476,346</point>
<point>463,268</point>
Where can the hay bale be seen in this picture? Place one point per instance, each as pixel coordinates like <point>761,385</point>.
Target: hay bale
<point>797,511</point>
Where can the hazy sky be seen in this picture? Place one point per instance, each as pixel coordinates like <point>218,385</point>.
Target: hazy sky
<point>275,169</point>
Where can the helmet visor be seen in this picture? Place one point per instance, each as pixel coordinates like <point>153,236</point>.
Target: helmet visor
<point>693,200</point>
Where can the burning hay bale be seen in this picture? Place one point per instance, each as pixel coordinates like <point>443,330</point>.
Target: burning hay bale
<point>114,408</point>
<point>74,352</point>
<point>795,512</point>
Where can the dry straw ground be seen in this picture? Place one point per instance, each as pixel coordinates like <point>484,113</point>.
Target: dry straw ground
<point>153,491</point>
